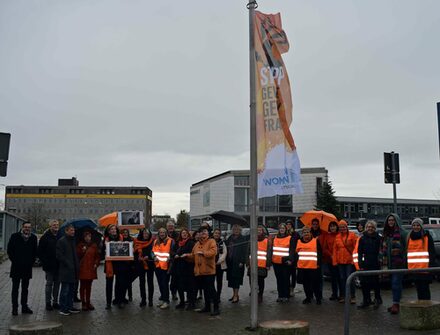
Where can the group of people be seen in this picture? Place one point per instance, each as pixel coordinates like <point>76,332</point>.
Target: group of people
<point>186,264</point>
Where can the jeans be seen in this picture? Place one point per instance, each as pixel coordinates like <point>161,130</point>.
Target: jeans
<point>346,270</point>
<point>24,291</point>
<point>66,296</point>
<point>396,287</point>
<point>163,279</point>
<point>312,280</point>
<point>52,288</point>
<point>150,277</point>
<point>334,274</point>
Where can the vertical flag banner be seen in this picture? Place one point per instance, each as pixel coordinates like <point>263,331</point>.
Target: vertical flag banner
<point>278,166</point>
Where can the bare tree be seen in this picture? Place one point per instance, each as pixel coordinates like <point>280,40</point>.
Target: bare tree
<point>37,216</point>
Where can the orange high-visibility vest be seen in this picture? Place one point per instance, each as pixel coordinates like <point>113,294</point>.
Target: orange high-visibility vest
<point>307,254</point>
<point>356,255</point>
<point>262,253</point>
<point>418,255</point>
<point>281,246</point>
<point>162,252</point>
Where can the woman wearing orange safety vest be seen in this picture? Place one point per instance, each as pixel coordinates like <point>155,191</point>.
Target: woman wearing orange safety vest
<point>308,254</point>
<point>366,257</point>
<point>283,250</point>
<point>163,252</point>
<point>343,248</point>
<point>264,260</point>
<point>420,255</point>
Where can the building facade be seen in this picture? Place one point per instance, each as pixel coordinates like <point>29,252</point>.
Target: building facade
<point>69,200</point>
<point>229,191</point>
<point>9,224</point>
<point>357,209</point>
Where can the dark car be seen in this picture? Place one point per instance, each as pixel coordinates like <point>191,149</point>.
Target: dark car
<point>434,230</point>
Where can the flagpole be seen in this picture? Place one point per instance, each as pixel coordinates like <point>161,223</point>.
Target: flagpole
<point>253,200</point>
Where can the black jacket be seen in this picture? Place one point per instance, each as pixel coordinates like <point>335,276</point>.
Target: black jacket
<point>22,255</point>
<point>368,251</point>
<point>237,253</point>
<point>181,266</point>
<point>68,260</point>
<point>47,252</point>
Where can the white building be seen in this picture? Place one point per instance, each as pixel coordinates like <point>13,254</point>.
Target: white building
<point>229,191</point>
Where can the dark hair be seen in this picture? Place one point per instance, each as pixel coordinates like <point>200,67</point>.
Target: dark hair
<point>140,236</point>
<point>333,223</point>
<point>107,230</point>
<point>25,222</point>
<point>67,227</point>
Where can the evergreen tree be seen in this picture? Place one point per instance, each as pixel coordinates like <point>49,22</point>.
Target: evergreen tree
<point>182,219</point>
<point>326,200</point>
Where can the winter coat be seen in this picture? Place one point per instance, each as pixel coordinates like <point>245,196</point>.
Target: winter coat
<point>47,252</point>
<point>88,255</point>
<point>68,259</point>
<point>343,248</point>
<point>182,266</point>
<point>394,258</point>
<point>327,244</point>
<point>369,251</point>
<point>203,256</point>
<point>222,252</point>
<point>22,255</point>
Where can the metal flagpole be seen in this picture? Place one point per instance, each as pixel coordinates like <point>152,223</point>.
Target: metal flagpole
<point>253,200</point>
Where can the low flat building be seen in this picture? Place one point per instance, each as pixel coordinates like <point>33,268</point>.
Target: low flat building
<point>357,209</point>
<point>69,200</point>
<point>229,191</point>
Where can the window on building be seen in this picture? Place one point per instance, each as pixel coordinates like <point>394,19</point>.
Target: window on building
<point>285,203</point>
<point>241,180</point>
<point>241,202</point>
<point>270,204</point>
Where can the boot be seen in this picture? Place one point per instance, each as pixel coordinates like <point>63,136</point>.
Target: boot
<point>215,311</point>
<point>395,309</point>
<point>14,310</point>
<point>26,310</point>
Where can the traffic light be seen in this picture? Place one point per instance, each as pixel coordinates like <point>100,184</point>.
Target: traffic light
<point>5,140</point>
<point>391,167</point>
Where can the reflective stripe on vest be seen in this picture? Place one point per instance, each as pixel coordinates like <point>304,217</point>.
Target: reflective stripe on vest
<point>162,253</point>
<point>356,255</point>
<point>262,253</point>
<point>418,255</point>
<point>308,254</point>
<point>281,248</point>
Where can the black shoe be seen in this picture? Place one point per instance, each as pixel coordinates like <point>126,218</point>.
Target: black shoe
<point>26,310</point>
<point>108,307</point>
<point>190,307</point>
<point>318,301</point>
<point>130,298</point>
<point>121,306</point>
<point>204,310</point>
<point>14,311</point>
<point>143,303</point>
<point>215,312</point>
<point>125,301</point>
<point>76,299</point>
<point>307,301</point>
<point>333,297</point>
<point>180,306</point>
<point>49,307</point>
<point>56,305</point>
<point>365,304</point>
<point>150,303</point>
<point>174,297</point>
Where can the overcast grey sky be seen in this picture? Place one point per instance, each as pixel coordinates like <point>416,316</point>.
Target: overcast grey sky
<point>156,93</point>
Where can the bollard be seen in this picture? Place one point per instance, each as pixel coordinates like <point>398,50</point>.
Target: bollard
<point>420,315</point>
<point>284,327</point>
<point>37,328</point>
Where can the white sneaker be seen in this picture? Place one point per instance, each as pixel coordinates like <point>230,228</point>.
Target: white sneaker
<point>164,305</point>
<point>160,303</point>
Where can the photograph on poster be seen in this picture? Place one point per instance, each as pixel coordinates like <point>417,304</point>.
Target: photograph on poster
<point>119,251</point>
<point>131,220</point>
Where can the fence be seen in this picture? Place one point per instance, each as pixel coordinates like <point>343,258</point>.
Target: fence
<point>370,273</point>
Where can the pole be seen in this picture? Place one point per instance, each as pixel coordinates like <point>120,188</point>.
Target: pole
<point>393,173</point>
<point>253,176</point>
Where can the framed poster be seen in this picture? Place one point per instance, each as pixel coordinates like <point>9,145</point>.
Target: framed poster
<point>131,220</point>
<point>119,251</point>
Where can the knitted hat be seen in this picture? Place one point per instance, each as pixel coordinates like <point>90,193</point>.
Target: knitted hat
<point>418,221</point>
<point>342,223</point>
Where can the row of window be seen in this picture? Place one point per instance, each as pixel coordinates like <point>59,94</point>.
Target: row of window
<point>280,203</point>
<point>88,202</point>
<point>75,191</point>
<point>385,209</point>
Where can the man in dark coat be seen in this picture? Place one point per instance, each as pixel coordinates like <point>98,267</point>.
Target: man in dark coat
<point>47,255</point>
<point>22,251</point>
<point>68,270</point>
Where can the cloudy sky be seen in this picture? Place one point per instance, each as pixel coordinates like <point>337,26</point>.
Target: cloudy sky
<point>155,93</point>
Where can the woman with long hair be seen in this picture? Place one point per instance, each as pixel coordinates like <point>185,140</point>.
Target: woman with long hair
<point>143,248</point>
<point>220,260</point>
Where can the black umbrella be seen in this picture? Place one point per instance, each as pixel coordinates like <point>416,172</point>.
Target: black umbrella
<point>229,217</point>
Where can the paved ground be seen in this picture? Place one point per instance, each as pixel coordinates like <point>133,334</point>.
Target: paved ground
<point>325,319</point>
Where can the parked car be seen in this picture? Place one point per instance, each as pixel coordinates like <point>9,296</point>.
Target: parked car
<point>434,230</point>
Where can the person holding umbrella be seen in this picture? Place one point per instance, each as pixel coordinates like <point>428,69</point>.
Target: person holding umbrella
<point>283,253</point>
<point>343,247</point>
<point>89,258</point>
<point>236,258</point>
